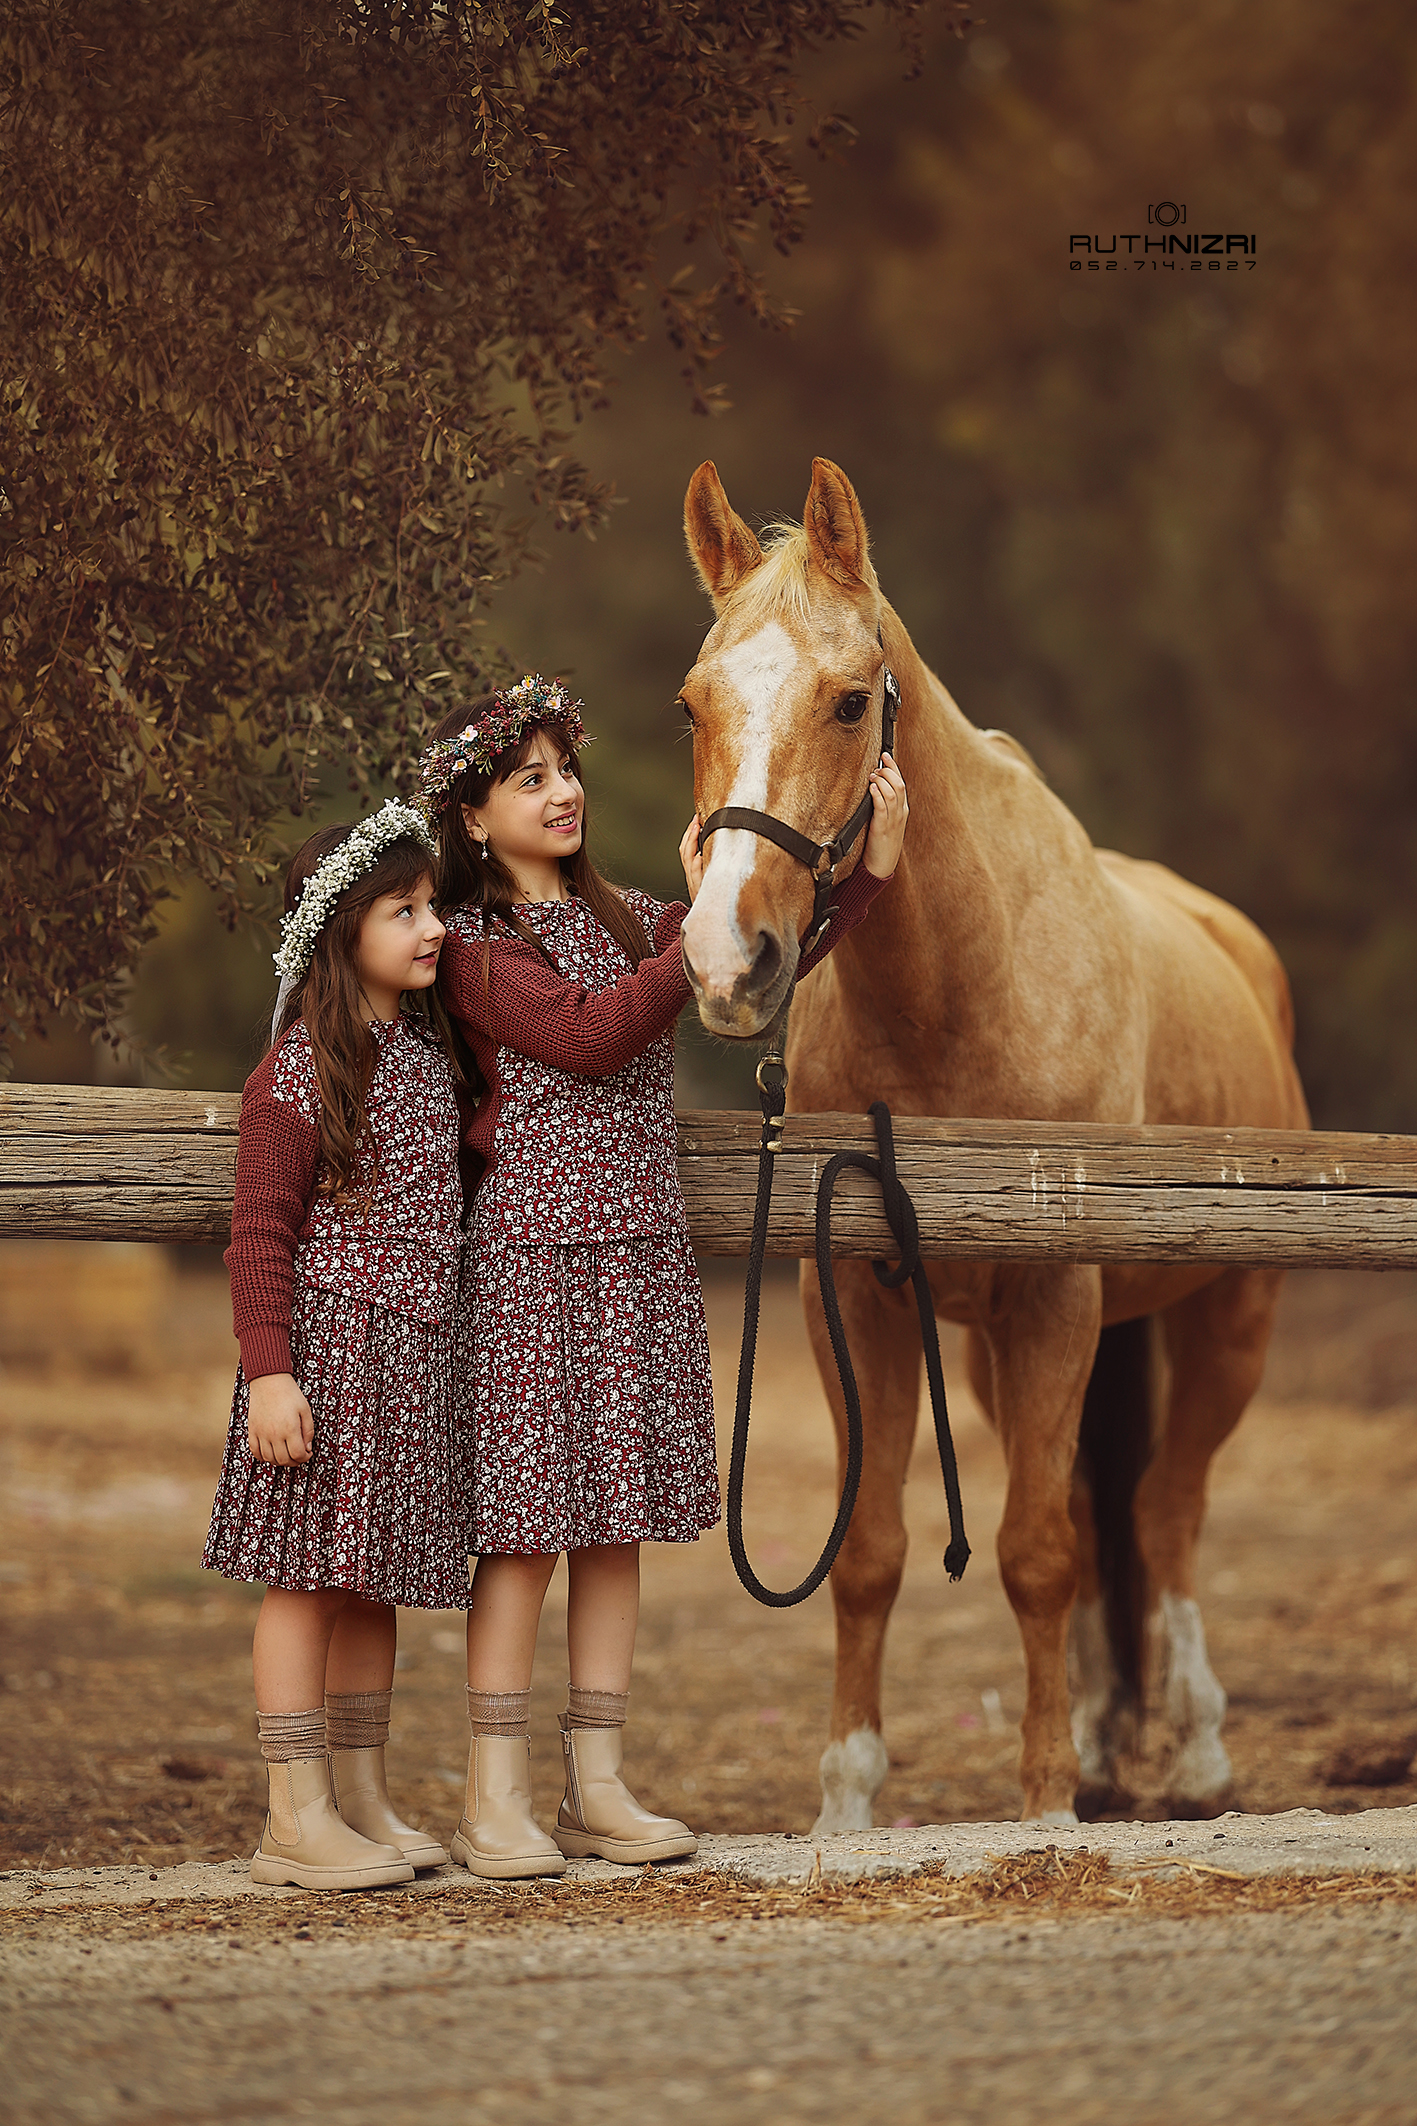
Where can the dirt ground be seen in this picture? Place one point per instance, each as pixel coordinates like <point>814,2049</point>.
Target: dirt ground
<point>1293,2020</point>
<point>129,1733</point>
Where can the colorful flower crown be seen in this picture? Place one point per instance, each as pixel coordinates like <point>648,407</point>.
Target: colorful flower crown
<point>532,700</point>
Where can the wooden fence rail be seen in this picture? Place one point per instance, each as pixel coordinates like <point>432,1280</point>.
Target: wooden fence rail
<point>103,1164</point>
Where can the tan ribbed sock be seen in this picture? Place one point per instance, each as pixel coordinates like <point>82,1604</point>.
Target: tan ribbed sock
<point>596,1708</point>
<point>292,1738</point>
<point>357,1719</point>
<point>499,1712</point>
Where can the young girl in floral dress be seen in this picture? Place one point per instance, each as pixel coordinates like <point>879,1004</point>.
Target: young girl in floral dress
<point>592,1407</point>
<point>344,1482</point>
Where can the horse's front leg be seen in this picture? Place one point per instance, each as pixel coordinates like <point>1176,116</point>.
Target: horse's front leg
<point>1041,1345</point>
<point>885,1348</point>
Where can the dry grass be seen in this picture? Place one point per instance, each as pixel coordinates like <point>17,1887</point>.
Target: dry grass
<point>1024,1888</point>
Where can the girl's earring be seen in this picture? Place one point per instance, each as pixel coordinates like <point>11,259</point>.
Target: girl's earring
<point>482,848</point>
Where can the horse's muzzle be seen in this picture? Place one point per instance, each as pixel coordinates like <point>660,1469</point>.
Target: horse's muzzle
<point>740,1003</point>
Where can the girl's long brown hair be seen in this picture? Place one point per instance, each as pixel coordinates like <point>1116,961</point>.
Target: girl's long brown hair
<point>467,880</point>
<point>329,1000</point>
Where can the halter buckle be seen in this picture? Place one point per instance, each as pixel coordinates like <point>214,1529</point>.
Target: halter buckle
<point>818,930</point>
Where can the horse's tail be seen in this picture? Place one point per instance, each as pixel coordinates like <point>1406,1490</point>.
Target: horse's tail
<point>1114,1447</point>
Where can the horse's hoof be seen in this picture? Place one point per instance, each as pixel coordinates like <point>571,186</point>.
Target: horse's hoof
<point>853,1770</point>
<point>1096,1798</point>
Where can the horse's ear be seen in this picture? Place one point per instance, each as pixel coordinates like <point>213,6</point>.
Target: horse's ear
<point>835,527</point>
<point>723,548</point>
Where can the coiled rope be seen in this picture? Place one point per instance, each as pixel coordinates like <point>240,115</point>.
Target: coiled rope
<point>900,1216</point>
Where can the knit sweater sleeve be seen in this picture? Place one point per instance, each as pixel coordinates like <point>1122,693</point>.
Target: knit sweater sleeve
<point>277,1158</point>
<point>526,1005</point>
<point>668,922</point>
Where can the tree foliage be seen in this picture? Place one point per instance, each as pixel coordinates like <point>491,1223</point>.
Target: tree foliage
<point>299,299</point>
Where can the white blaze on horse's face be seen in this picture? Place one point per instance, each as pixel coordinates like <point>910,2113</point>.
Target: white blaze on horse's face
<point>779,701</point>
<point>733,961</point>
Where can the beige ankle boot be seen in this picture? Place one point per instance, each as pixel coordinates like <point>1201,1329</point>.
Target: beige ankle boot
<point>600,1817</point>
<point>498,1837</point>
<point>307,1842</point>
<point>361,1795</point>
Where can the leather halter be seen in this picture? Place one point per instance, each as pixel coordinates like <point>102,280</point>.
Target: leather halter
<point>821,858</point>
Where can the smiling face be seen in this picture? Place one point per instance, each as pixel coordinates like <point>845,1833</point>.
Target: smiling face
<point>399,941</point>
<point>784,702</point>
<point>535,817</point>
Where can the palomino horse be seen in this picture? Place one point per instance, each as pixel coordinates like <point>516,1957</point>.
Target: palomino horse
<point>1010,970</point>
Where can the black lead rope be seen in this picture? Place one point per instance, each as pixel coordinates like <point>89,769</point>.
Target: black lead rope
<point>822,859</point>
<point>900,1216</point>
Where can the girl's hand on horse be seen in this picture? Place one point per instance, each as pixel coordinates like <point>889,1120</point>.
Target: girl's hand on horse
<point>890,809</point>
<point>691,858</point>
<point>279,1425</point>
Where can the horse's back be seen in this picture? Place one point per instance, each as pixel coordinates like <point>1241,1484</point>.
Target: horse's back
<point>1190,927</point>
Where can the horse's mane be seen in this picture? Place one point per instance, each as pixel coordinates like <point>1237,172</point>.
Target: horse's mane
<point>781,582</point>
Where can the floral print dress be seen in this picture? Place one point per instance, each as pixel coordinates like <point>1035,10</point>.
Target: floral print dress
<point>590,1392</point>
<point>357,1300</point>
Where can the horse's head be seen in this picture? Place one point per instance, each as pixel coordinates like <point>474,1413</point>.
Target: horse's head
<point>785,702</point>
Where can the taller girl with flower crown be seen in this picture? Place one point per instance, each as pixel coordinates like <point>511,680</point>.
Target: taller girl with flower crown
<point>591,1399</point>
<point>343,1486</point>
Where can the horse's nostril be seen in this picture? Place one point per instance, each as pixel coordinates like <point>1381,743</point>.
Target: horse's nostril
<point>767,964</point>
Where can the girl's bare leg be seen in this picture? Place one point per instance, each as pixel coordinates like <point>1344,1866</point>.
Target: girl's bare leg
<point>600,1816</point>
<point>292,1647</point>
<point>306,1841</point>
<point>498,1836</point>
<point>361,1655</point>
<point>603,1614</point>
<point>359,1681</point>
<point>507,1594</point>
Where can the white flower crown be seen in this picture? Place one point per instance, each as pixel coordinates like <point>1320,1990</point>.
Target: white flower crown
<point>358,853</point>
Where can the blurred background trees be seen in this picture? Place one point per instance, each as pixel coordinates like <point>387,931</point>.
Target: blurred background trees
<point>299,299</point>
<point>1159,524</point>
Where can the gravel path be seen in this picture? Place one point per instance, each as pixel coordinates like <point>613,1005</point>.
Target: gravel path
<point>1302,2017</point>
<point>1158,1972</point>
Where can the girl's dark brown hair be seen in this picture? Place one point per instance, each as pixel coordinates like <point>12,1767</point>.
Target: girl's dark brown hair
<point>467,880</point>
<point>328,999</point>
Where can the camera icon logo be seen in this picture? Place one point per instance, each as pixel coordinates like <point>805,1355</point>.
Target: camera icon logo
<point>1166,213</point>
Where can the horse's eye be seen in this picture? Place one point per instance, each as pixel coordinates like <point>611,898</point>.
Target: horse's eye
<point>688,714</point>
<point>853,708</point>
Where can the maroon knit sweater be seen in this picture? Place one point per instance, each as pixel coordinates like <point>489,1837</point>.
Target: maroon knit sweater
<point>277,1159</point>
<point>276,1214</point>
<point>526,1005</point>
